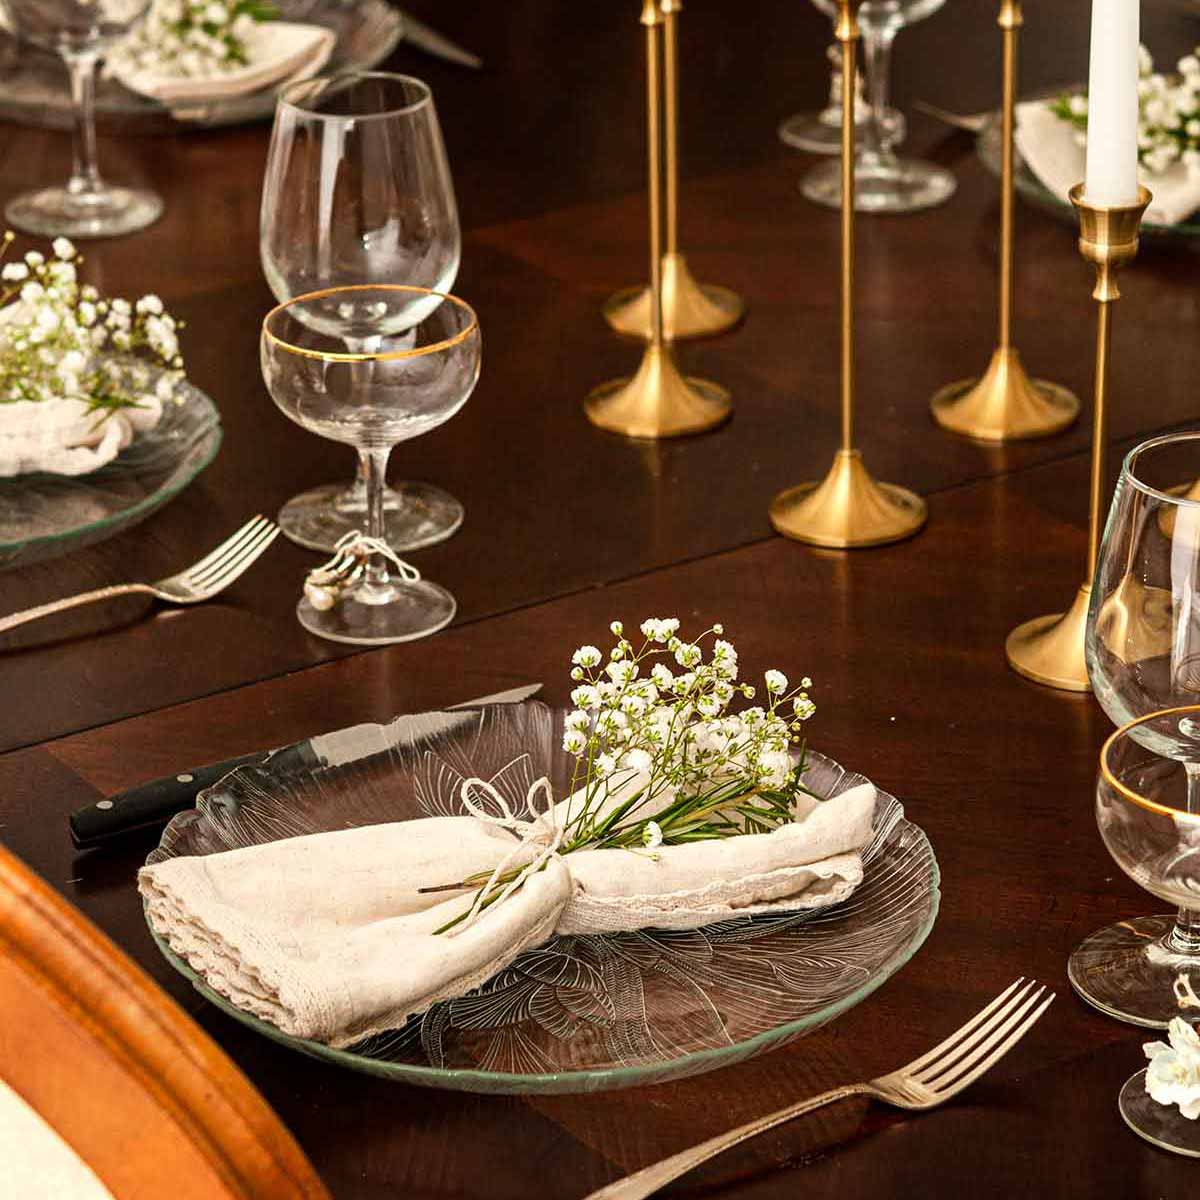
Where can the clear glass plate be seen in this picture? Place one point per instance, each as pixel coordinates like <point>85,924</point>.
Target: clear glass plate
<point>33,82</point>
<point>43,516</point>
<point>1029,186</point>
<point>579,1014</point>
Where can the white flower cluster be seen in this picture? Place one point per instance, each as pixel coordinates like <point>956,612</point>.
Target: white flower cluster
<point>191,38</point>
<point>1169,115</point>
<point>672,723</point>
<point>1173,1076</point>
<point>60,339</point>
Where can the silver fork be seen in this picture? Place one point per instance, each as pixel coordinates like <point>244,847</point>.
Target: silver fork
<point>924,1083</point>
<point>201,581</point>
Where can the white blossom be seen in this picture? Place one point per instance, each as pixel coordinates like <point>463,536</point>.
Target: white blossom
<point>1173,1076</point>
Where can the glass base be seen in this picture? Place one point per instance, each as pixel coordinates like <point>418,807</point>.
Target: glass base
<point>109,212</point>
<point>416,515</point>
<point>895,185</point>
<point>821,132</point>
<point>1128,971</point>
<point>406,611</point>
<point>1161,1124</point>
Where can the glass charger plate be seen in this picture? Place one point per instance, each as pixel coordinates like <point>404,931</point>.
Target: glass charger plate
<point>579,1014</point>
<point>33,82</point>
<point>43,516</point>
<point>1029,186</point>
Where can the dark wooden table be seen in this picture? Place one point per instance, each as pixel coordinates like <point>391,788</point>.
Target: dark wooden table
<point>567,528</point>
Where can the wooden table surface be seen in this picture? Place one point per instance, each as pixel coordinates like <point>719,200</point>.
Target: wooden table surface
<point>567,528</point>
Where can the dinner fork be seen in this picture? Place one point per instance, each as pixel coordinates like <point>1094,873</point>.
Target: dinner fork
<point>201,581</point>
<point>924,1083</point>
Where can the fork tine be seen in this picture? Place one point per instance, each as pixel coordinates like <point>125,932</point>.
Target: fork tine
<point>237,566</point>
<point>230,548</point>
<point>966,1054</point>
<point>1000,1051</point>
<point>218,551</point>
<point>962,1031</point>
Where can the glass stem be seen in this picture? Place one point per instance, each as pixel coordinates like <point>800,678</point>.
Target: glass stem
<point>877,49</point>
<point>85,175</point>
<point>374,463</point>
<point>1185,937</point>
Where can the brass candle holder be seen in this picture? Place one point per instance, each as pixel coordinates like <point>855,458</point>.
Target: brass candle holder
<point>657,401</point>
<point>1006,405</point>
<point>1050,650</point>
<point>690,309</point>
<point>848,508</point>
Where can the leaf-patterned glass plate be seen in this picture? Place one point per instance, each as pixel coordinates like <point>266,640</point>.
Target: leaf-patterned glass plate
<point>580,1013</point>
<point>43,516</point>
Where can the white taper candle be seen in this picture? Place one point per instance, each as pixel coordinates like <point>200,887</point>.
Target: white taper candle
<point>1112,148</point>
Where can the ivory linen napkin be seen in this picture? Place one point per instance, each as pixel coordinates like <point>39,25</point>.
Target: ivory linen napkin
<point>1050,150</point>
<point>329,937</point>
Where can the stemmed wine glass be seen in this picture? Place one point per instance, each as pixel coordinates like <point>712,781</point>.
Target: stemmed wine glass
<point>421,367</point>
<point>884,183</point>
<point>1143,655</point>
<point>1145,808</point>
<point>80,31</point>
<point>358,190</point>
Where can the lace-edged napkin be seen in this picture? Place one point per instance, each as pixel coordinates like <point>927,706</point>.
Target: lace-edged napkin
<point>1050,150</point>
<point>330,937</point>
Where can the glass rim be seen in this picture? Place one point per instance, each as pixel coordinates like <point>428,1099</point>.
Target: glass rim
<point>1126,733</point>
<point>402,110</point>
<point>366,356</point>
<point>1163,439</point>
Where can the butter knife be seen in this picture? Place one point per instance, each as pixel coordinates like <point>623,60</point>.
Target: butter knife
<point>432,42</point>
<point>153,804</point>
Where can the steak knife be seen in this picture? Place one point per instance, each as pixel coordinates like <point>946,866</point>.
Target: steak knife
<point>153,804</point>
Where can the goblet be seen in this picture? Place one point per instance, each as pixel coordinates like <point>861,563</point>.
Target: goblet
<point>80,32</point>
<point>1147,813</point>
<point>358,190</point>
<point>1143,657</point>
<point>884,183</point>
<point>421,368</point>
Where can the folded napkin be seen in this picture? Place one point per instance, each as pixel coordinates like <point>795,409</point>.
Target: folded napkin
<point>1052,152</point>
<point>330,938</point>
<point>64,436</point>
<point>277,51</point>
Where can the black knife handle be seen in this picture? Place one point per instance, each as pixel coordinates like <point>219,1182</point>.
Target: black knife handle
<point>150,805</point>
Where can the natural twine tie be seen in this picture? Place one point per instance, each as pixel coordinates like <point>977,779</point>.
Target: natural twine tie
<point>324,585</point>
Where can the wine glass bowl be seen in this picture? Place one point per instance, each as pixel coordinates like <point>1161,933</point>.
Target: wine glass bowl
<point>80,32</point>
<point>421,367</point>
<point>357,190</point>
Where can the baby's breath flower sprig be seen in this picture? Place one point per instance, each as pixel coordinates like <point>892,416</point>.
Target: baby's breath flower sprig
<point>1168,114</point>
<point>60,339</point>
<point>191,38</point>
<point>660,760</point>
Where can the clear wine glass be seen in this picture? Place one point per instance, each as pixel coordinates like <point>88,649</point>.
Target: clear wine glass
<point>421,367</point>
<point>1145,808</point>
<point>358,190</point>
<point>1143,655</point>
<point>884,183</point>
<point>821,132</point>
<point>80,32</point>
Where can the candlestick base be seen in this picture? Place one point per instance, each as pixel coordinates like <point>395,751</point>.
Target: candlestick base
<point>1005,405</point>
<point>848,509</point>
<point>658,402</point>
<point>690,309</point>
<point>1050,650</point>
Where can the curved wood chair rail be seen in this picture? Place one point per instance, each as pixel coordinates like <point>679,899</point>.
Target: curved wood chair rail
<point>122,1074</point>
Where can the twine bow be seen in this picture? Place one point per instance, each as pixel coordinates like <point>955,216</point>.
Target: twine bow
<point>325,584</point>
<point>543,831</point>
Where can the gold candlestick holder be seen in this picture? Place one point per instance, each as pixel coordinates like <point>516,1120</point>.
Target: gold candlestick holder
<point>1050,650</point>
<point>657,401</point>
<point>690,309</point>
<point>1006,404</point>
<point>848,508</point>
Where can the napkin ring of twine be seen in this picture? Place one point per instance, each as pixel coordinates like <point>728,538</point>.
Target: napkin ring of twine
<point>543,832</point>
<point>324,585</point>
